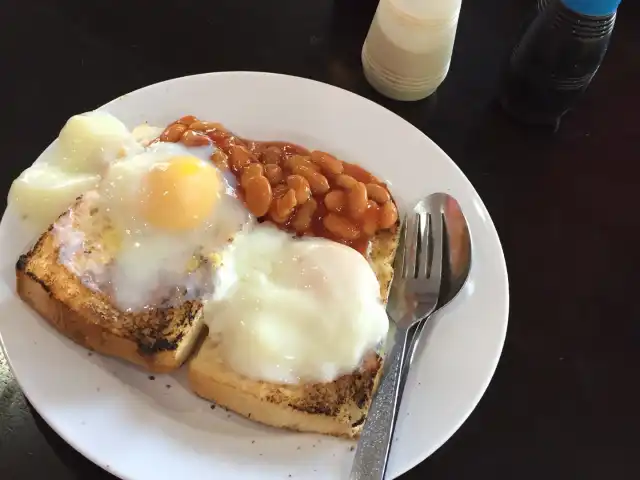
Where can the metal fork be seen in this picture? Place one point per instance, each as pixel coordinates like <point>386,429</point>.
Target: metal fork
<point>413,297</point>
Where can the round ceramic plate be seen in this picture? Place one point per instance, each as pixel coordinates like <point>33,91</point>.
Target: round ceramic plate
<point>124,420</point>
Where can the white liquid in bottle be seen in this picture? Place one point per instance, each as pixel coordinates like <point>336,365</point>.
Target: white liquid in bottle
<point>407,52</point>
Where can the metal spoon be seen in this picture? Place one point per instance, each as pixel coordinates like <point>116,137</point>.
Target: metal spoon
<point>455,269</point>
<point>414,295</point>
<point>373,449</point>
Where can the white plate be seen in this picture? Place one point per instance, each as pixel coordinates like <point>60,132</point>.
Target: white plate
<point>142,429</point>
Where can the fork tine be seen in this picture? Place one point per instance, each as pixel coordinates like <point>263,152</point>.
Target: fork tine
<point>437,235</point>
<point>411,245</point>
<point>425,244</point>
<point>399,265</point>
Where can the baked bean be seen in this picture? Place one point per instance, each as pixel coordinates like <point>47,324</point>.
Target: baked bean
<point>220,159</point>
<point>284,205</point>
<point>230,142</point>
<point>318,182</point>
<point>250,171</point>
<point>327,163</point>
<point>346,181</point>
<point>257,195</point>
<point>370,219</point>
<point>295,161</point>
<point>286,183</point>
<point>218,136</point>
<point>378,193</point>
<point>303,217</point>
<point>252,147</point>
<point>191,138</point>
<point>340,226</point>
<point>388,215</point>
<point>300,185</point>
<point>239,157</point>
<point>254,169</point>
<point>200,126</point>
<point>187,120</point>
<point>271,155</point>
<point>357,200</point>
<point>173,133</point>
<point>280,190</point>
<point>359,173</point>
<point>274,216</point>
<point>273,173</point>
<point>335,201</point>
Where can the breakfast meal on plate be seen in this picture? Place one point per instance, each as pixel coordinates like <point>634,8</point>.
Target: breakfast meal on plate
<point>268,265</point>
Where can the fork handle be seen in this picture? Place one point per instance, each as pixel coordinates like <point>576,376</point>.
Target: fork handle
<point>373,449</point>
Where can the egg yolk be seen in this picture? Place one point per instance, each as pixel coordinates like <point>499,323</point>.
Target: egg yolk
<point>180,194</point>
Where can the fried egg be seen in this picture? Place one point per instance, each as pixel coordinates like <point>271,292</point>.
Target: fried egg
<point>170,211</point>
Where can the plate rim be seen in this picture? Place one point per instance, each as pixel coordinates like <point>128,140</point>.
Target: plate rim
<point>493,231</point>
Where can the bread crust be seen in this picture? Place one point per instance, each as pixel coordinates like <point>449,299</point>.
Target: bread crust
<point>336,408</point>
<point>158,340</point>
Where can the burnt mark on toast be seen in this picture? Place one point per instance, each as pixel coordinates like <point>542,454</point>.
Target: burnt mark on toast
<point>21,264</point>
<point>147,346</point>
<point>39,281</point>
<point>358,422</point>
<point>166,334</point>
<point>333,399</point>
<point>23,260</point>
<point>152,332</point>
<point>363,394</point>
<point>318,409</point>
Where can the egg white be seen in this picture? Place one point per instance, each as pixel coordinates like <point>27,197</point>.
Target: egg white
<point>297,310</point>
<point>151,262</point>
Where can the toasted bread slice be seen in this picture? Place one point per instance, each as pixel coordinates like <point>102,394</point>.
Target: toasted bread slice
<point>337,408</point>
<point>157,339</point>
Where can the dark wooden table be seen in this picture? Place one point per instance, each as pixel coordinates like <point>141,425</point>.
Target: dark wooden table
<point>564,401</point>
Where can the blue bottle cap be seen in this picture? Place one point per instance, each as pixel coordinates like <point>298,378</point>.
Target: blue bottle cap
<point>593,8</point>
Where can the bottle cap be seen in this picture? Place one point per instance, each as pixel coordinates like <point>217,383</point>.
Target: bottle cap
<point>593,8</point>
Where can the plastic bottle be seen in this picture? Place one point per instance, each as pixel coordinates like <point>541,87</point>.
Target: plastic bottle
<point>556,59</point>
<point>407,52</point>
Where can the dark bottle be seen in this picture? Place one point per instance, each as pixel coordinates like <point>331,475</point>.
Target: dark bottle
<point>556,59</point>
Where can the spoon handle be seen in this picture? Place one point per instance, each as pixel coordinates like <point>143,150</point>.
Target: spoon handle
<point>415,333</point>
<point>373,449</point>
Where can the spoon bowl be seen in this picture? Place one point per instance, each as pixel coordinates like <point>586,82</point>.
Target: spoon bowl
<point>456,265</point>
<point>457,254</point>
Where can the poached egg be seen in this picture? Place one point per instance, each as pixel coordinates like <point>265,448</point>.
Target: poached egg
<point>297,309</point>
